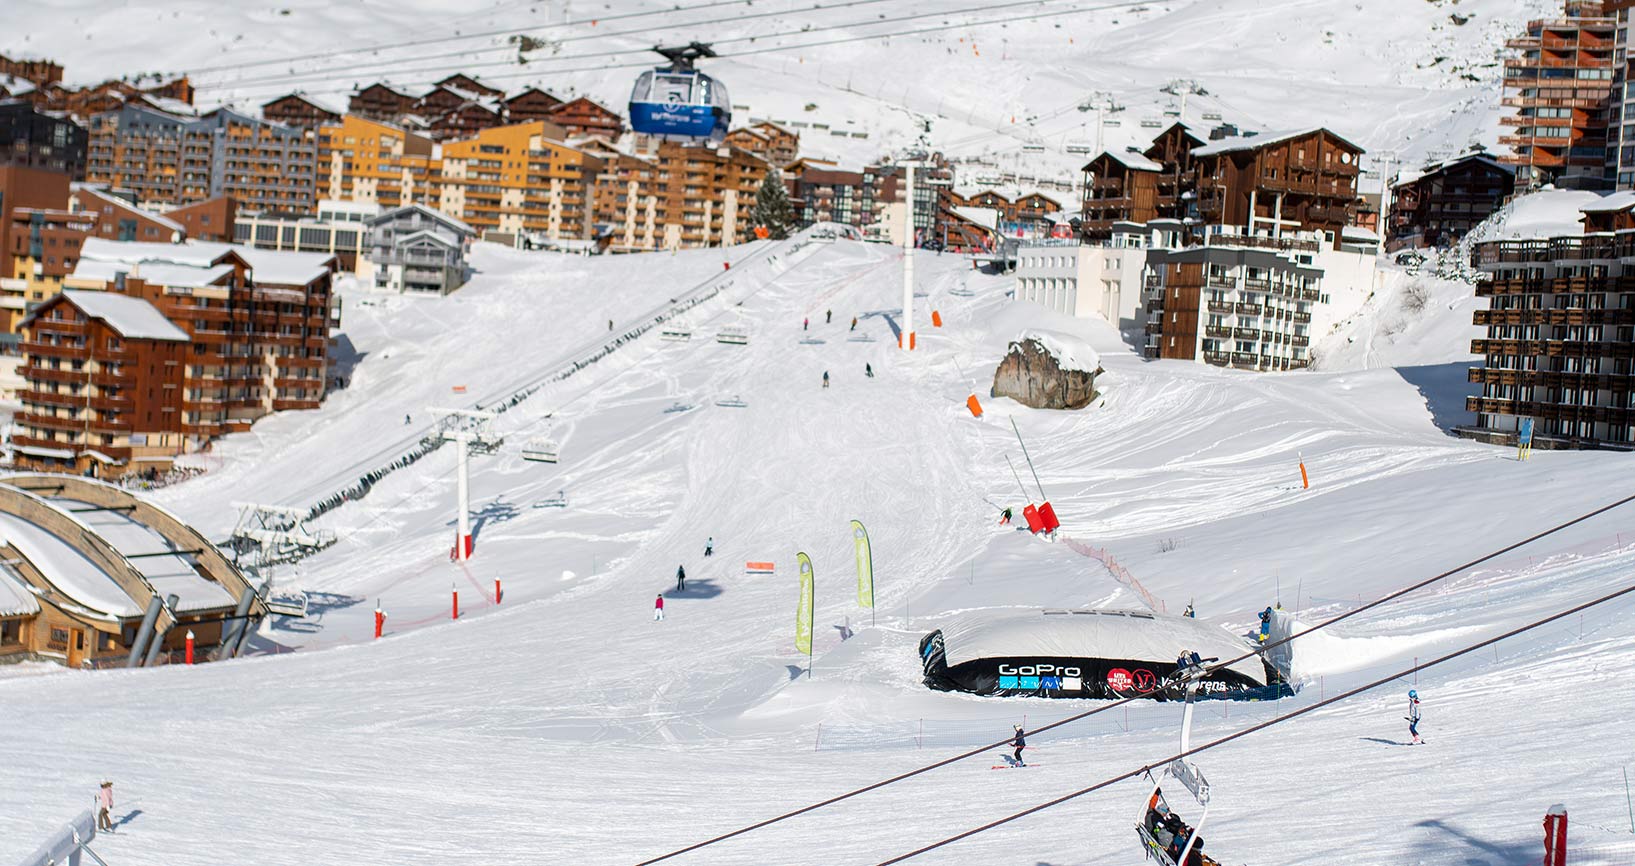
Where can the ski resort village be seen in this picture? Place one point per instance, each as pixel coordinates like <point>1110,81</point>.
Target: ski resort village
<point>718,432</point>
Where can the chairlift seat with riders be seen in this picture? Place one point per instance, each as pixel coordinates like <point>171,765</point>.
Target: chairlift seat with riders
<point>542,449</point>
<point>678,102</point>
<point>733,335</point>
<point>1164,836</point>
<point>733,402</point>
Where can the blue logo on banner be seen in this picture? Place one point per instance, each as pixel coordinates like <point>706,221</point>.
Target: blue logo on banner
<point>1008,683</point>
<point>1028,682</point>
<point>1050,682</point>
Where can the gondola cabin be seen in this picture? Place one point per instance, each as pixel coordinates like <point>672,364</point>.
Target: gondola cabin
<point>678,101</point>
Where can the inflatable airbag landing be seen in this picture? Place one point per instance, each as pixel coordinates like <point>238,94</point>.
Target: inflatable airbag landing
<point>1081,654</point>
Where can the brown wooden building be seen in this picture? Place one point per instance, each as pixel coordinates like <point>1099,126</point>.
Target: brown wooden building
<point>769,141</point>
<point>1280,182</point>
<point>679,196</point>
<point>41,72</point>
<point>583,116</point>
<point>529,105</point>
<point>1437,205</point>
<point>379,102</point>
<point>1119,187</point>
<point>298,110</point>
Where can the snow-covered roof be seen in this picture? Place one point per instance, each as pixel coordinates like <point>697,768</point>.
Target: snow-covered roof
<point>1620,200</point>
<point>1545,213</point>
<point>1236,143</point>
<point>1130,160</point>
<point>101,192</point>
<point>284,267</point>
<point>14,599</point>
<point>167,574</point>
<point>68,570</point>
<point>1070,352</point>
<point>438,215</point>
<point>196,255</point>
<point>1101,634</point>
<point>133,318</point>
<point>1359,233</point>
<point>985,217</point>
<point>155,273</point>
<point>309,99</point>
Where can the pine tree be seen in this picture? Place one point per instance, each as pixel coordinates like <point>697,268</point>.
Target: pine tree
<point>772,208</point>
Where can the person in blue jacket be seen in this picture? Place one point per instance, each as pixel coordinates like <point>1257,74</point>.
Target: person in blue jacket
<point>1020,742</point>
<point>1413,716</point>
<point>1265,623</point>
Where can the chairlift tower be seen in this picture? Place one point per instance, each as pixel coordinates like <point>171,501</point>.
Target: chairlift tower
<point>911,161</point>
<point>471,430</point>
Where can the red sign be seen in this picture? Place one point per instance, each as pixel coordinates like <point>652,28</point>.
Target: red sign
<point>1118,679</point>
<point>1145,681</point>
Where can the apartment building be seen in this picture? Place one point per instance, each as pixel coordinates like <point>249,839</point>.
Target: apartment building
<point>828,195</point>
<point>586,117</point>
<point>417,249</point>
<point>531,104</point>
<point>1017,213</point>
<point>1234,305</point>
<point>1103,279</point>
<point>519,179</point>
<point>379,102</point>
<point>1559,346</point>
<point>1277,183</point>
<point>169,160</point>
<point>367,160</point>
<point>1119,187</point>
<point>1559,80</point>
<point>299,111</point>
<point>26,187</point>
<point>42,140</point>
<point>1436,205</point>
<point>678,196</point>
<point>45,247</point>
<point>340,229</point>
<point>769,141</point>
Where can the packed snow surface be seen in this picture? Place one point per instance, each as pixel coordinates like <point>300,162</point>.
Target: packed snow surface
<point>564,725</point>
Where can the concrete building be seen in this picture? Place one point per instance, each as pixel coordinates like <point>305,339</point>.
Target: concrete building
<point>1560,83</point>
<point>371,161</point>
<point>1105,279</point>
<point>171,161</point>
<point>677,196</point>
<point>417,249</point>
<point>340,229</point>
<point>38,139</point>
<point>519,179</point>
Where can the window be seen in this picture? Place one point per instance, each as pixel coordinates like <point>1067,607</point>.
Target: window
<point>11,632</point>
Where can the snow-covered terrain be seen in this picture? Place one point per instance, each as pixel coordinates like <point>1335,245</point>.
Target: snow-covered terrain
<point>564,725</point>
<point>1406,78</point>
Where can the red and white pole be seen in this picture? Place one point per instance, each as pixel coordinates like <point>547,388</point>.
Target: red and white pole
<point>190,646</point>
<point>380,621</point>
<point>456,609</point>
<point>1555,836</point>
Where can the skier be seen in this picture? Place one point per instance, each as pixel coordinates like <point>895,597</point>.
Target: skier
<point>681,579</point>
<point>854,323</point>
<point>825,380</point>
<point>804,322</point>
<point>1189,612</point>
<point>406,420</point>
<point>709,546</point>
<point>868,370</point>
<point>828,317</point>
<point>610,324</point>
<point>1265,623</point>
<point>1005,517</point>
<point>1413,715</point>
<point>105,806</point>
<point>1020,742</point>
<point>658,608</point>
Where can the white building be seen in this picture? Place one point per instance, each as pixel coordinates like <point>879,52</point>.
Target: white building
<point>1104,279</point>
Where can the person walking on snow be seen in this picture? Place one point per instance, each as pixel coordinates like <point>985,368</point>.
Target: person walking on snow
<point>804,322</point>
<point>658,608</point>
<point>709,546</point>
<point>854,323</point>
<point>681,579</point>
<point>105,806</point>
<point>405,420</point>
<point>868,370</point>
<point>1413,715</point>
<point>1020,742</point>
<point>825,380</point>
<point>828,317</point>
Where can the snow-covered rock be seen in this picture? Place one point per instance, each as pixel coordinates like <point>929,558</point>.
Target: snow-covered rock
<point>1048,370</point>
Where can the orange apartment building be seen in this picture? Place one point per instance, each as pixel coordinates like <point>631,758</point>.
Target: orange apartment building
<point>677,196</point>
<point>367,160</point>
<point>1560,82</point>
<point>519,178</point>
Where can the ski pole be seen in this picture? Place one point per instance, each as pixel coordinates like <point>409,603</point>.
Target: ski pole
<point>1029,460</point>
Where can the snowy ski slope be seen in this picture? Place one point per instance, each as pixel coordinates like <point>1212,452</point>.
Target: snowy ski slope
<point>565,726</point>
<point>1401,77</point>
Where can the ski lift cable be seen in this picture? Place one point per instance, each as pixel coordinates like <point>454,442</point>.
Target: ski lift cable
<point>1256,728</point>
<point>1386,599</point>
<point>784,48</point>
<point>382,67</point>
<point>388,46</point>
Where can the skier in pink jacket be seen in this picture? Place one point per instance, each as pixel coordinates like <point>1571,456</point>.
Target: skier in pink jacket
<point>658,608</point>
<point>105,806</point>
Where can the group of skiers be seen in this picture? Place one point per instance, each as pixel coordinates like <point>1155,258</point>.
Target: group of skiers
<point>681,581</point>
<point>1171,832</point>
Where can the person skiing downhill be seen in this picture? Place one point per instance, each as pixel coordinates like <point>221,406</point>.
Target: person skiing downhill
<point>709,546</point>
<point>658,608</point>
<point>1413,716</point>
<point>1189,612</point>
<point>854,323</point>
<point>1020,742</point>
<point>681,578</point>
<point>1005,517</point>
<point>825,380</point>
<point>828,317</point>
<point>804,323</point>
<point>868,370</point>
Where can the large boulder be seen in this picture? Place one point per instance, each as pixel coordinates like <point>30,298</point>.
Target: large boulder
<point>1048,371</point>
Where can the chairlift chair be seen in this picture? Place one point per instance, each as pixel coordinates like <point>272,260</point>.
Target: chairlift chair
<point>541,449</point>
<point>733,335</point>
<point>1187,775</point>
<point>733,402</point>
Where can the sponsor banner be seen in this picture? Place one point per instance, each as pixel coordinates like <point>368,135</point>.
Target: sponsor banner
<point>803,609</point>
<point>865,565</point>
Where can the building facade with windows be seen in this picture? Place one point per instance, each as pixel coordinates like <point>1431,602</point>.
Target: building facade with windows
<point>39,139</point>
<point>170,161</point>
<point>1560,81</point>
<point>417,249</point>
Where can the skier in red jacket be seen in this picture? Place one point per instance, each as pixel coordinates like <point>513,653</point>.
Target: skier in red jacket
<point>658,608</point>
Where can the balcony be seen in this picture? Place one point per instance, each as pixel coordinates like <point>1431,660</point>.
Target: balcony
<point>1223,308</point>
<point>1219,359</point>
<point>1248,309</point>
<point>1299,342</point>
<point>1246,333</point>
<point>47,398</point>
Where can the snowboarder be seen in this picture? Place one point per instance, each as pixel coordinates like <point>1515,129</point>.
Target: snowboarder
<point>1020,742</point>
<point>804,322</point>
<point>1413,715</point>
<point>709,546</point>
<point>681,579</point>
<point>1005,517</point>
<point>1189,612</point>
<point>105,806</point>
<point>868,370</point>
<point>825,380</point>
<point>406,420</point>
<point>1265,623</point>
<point>658,608</point>
<point>854,323</point>
<point>828,317</point>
